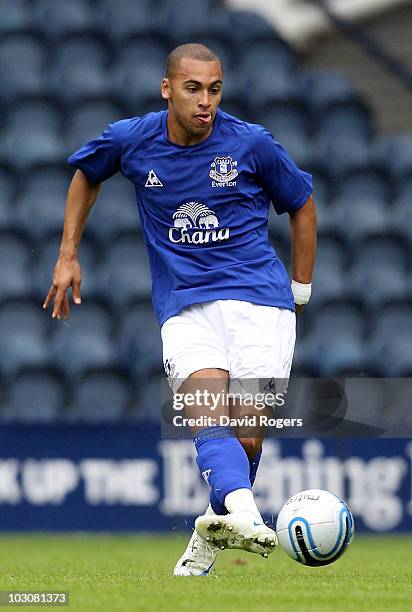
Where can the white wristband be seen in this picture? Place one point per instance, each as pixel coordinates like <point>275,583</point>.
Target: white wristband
<point>301,292</point>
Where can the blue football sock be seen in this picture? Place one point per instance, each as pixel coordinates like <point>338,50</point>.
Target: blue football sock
<point>253,466</point>
<point>223,464</point>
<point>219,508</point>
<point>216,506</point>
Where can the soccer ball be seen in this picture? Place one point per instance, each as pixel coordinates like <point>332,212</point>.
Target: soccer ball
<point>315,527</point>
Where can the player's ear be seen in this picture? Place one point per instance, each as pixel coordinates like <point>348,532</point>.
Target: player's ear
<point>165,89</point>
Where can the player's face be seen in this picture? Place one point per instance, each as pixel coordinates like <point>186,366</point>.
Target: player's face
<point>193,94</point>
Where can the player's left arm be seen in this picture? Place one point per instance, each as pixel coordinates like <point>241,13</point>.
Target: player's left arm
<point>290,191</point>
<point>303,225</point>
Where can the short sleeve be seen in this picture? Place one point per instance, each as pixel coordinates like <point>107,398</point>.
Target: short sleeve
<point>99,158</point>
<point>287,185</point>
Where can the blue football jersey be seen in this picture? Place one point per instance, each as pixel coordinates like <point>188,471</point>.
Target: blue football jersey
<point>204,208</point>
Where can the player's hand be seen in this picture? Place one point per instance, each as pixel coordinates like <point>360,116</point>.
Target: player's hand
<point>299,308</point>
<point>66,274</point>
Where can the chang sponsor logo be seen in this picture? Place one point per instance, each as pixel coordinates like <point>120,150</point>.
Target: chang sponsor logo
<point>195,223</point>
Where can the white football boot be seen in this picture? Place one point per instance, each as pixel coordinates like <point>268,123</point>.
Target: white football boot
<point>242,530</point>
<point>198,558</point>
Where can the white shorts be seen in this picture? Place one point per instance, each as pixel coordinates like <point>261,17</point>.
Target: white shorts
<point>248,340</point>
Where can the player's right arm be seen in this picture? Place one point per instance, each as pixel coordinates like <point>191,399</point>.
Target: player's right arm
<point>81,196</point>
<point>96,161</point>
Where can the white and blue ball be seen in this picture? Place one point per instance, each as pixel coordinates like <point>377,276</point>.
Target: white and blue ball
<point>315,527</point>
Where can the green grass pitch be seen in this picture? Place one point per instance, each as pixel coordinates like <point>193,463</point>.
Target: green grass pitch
<point>132,572</point>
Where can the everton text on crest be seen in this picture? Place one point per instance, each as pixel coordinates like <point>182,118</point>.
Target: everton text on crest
<point>195,223</point>
<point>223,171</point>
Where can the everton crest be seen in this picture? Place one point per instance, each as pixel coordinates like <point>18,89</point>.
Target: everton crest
<point>223,172</point>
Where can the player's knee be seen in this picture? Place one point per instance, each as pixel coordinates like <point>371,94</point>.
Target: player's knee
<point>251,446</point>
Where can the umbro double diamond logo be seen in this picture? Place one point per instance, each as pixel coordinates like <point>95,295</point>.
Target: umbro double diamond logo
<point>152,180</point>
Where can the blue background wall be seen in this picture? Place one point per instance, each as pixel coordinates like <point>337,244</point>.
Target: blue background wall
<point>127,478</point>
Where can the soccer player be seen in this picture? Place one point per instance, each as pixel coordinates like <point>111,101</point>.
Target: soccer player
<point>204,182</point>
